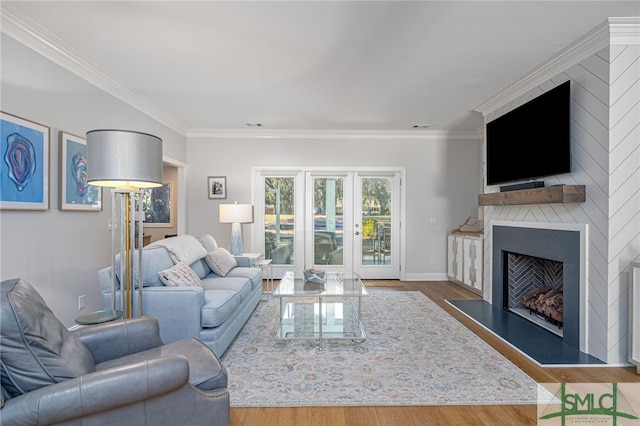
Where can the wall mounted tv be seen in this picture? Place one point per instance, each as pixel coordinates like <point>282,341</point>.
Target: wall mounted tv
<point>532,140</point>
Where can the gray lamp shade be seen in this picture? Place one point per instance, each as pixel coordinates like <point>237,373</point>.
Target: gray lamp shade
<point>123,158</point>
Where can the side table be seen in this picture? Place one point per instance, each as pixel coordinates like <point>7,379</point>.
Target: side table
<point>99,317</point>
<point>267,271</point>
<point>254,257</point>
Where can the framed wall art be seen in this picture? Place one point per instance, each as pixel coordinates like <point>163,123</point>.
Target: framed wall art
<point>24,168</point>
<point>157,206</point>
<point>75,193</point>
<point>217,187</point>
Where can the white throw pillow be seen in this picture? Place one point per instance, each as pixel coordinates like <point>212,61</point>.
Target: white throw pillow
<point>220,261</point>
<point>179,274</point>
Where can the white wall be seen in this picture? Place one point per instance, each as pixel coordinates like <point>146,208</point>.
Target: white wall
<point>442,181</point>
<point>59,252</point>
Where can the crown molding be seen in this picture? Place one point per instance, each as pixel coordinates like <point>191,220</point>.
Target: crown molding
<point>613,31</point>
<point>20,27</point>
<point>625,31</point>
<point>332,134</point>
<point>27,32</point>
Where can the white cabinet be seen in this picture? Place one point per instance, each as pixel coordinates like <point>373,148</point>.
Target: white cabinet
<point>465,260</point>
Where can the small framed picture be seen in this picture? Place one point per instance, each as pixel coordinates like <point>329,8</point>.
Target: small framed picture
<point>24,146</point>
<point>217,187</point>
<point>75,193</point>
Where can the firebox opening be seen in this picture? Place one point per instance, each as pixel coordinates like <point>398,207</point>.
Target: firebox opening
<point>533,290</point>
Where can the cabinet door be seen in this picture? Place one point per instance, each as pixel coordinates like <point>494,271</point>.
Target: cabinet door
<point>454,258</point>
<point>472,274</point>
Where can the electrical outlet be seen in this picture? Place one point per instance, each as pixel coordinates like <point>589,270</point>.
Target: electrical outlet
<point>433,261</point>
<point>81,301</point>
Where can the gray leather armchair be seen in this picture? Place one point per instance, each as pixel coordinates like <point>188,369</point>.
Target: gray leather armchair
<point>117,373</point>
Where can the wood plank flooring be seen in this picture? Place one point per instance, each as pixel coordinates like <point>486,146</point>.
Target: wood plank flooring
<point>492,415</point>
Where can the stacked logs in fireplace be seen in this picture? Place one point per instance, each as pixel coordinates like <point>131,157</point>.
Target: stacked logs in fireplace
<point>545,302</point>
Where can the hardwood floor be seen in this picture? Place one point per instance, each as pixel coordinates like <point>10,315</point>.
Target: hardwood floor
<point>439,415</point>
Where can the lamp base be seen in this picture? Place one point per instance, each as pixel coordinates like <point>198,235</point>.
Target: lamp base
<point>236,238</point>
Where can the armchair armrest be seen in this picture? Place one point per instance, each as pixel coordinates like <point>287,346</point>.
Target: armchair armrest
<point>119,338</point>
<point>98,392</point>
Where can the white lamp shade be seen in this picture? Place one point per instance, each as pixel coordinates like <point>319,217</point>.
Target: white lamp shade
<point>236,213</point>
<point>123,158</point>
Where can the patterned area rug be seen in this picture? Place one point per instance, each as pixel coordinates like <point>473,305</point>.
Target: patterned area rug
<point>415,354</point>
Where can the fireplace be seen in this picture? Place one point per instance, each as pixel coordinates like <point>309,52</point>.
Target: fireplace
<point>533,289</point>
<point>524,259</point>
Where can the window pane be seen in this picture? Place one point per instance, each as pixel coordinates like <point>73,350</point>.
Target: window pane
<point>327,221</point>
<point>278,219</point>
<point>376,221</point>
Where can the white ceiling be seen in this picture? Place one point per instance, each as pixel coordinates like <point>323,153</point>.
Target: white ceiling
<point>318,65</point>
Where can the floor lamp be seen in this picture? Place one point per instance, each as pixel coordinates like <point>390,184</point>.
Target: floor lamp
<point>126,161</point>
<point>236,214</point>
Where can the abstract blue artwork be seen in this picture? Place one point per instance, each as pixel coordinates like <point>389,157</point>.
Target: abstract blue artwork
<point>75,191</point>
<point>24,167</point>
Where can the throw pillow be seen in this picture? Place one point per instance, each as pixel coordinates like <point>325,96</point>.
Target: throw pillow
<point>220,261</point>
<point>37,349</point>
<point>179,274</point>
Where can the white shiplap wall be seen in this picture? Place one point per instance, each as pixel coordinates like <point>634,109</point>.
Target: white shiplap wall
<point>623,191</point>
<point>605,149</point>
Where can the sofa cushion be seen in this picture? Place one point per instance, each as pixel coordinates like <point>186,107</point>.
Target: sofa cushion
<point>219,305</point>
<point>37,350</point>
<point>154,259</point>
<point>179,275</point>
<point>252,274</point>
<point>220,261</point>
<point>208,242</point>
<point>201,268</point>
<point>240,285</point>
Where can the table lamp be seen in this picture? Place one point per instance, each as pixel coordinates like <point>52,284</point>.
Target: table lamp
<point>236,214</point>
<point>126,161</point>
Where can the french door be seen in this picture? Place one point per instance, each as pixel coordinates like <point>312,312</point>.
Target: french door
<point>336,220</point>
<point>377,225</point>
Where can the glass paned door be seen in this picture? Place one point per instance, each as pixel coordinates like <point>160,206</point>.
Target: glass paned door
<point>336,220</point>
<point>377,227</point>
<point>326,249</point>
<point>279,223</point>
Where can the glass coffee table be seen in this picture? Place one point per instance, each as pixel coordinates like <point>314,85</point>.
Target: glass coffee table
<point>321,311</point>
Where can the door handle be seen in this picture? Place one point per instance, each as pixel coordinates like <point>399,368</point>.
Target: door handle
<point>357,232</point>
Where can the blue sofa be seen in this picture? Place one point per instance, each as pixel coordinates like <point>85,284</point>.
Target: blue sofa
<point>213,312</point>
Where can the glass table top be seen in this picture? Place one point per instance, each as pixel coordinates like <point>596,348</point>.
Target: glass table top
<point>99,317</point>
<point>336,284</point>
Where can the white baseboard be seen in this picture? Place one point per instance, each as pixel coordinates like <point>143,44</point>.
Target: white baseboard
<point>439,276</point>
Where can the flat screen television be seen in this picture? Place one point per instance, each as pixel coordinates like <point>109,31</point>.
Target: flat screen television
<point>532,140</point>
